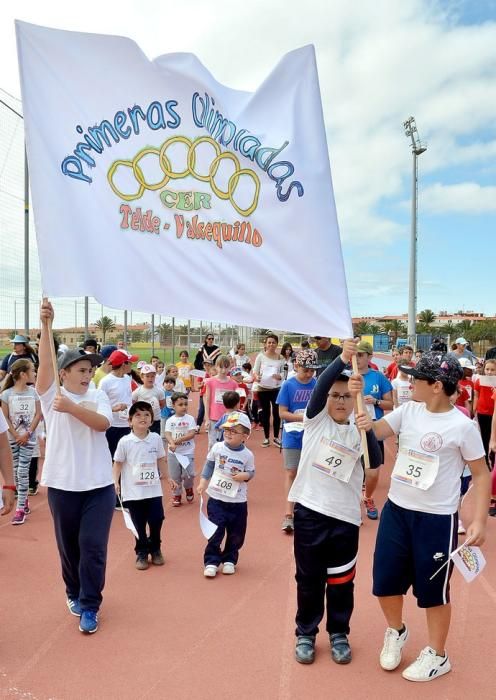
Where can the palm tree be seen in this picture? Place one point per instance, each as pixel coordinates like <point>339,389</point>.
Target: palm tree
<point>427,317</point>
<point>361,328</point>
<point>105,324</point>
<point>164,331</point>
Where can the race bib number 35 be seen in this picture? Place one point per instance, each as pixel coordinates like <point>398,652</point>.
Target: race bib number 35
<point>336,460</point>
<point>416,469</point>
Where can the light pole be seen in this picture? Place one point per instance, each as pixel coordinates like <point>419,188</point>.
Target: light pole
<point>417,149</point>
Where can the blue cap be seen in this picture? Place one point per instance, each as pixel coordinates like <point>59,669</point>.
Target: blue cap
<point>107,350</point>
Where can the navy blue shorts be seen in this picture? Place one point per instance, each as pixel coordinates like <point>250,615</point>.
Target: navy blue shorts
<point>410,547</point>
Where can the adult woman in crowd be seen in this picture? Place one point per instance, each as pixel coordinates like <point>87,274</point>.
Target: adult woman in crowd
<point>22,351</point>
<point>287,355</point>
<point>267,373</point>
<point>207,351</point>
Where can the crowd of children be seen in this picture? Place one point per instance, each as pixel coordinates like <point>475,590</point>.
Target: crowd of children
<point>126,433</point>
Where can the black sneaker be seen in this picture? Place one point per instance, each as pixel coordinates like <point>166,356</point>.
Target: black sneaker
<point>142,562</point>
<point>340,648</point>
<point>492,509</point>
<point>305,649</point>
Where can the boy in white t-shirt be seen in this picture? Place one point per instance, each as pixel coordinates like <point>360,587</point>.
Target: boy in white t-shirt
<point>402,388</point>
<point>228,467</point>
<point>152,394</point>
<point>180,432</point>
<point>327,515</point>
<point>418,528</point>
<point>77,472</point>
<point>117,386</point>
<point>139,464</point>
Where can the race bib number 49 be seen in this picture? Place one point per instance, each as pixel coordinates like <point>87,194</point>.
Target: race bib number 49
<point>336,460</point>
<point>415,468</point>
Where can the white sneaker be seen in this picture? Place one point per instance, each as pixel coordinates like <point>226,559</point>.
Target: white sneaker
<point>394,642</point>
<point>427,667</point>
<point>228,568</point>
<point>210,571</point>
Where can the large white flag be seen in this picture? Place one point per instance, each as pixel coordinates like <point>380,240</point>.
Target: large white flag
<point>155,188</point>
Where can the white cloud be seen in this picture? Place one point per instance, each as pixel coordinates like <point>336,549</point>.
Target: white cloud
<point>379,62</point>
<point>465,197</point>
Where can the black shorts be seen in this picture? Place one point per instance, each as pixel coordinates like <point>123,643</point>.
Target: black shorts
<point>410,547</point>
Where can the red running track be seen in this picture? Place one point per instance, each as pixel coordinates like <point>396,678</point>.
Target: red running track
<point>170,633</point>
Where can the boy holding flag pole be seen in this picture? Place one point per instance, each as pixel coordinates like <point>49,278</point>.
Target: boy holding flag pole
<point>419,523</point>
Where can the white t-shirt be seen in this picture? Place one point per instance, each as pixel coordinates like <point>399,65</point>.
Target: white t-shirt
<point>179,386</point>
<point>139,463</point>
<point>318,491</point>
<point>153,396</point>
<point>3,423</point>
<point>452,437</point>
<point>77,458</point>
<point>403,390</point>
<point>22,407</point>
<point>230,462</point>
<point>179,426</point>
<point>118,390</point>
<point>266,367</point>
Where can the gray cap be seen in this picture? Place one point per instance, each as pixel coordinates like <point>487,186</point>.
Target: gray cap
<point>72,356</point>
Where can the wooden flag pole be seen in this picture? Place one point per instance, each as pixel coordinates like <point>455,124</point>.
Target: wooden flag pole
<point>360,404</point>
<point>53,355</point>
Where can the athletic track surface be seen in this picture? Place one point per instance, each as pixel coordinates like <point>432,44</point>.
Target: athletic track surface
<point>170,633</point>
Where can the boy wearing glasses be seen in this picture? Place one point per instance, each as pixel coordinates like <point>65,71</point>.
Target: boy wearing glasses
<point>327,516</point>
<point>228,468</point>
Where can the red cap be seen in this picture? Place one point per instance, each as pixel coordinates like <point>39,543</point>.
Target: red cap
<point>118,357</point>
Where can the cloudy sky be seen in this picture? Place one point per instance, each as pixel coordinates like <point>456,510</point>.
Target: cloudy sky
<point>379,62</point>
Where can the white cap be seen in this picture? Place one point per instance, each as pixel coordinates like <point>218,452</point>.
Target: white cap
<point>461,341</point>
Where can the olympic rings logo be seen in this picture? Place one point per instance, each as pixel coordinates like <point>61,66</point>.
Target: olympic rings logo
<point>166,168</point>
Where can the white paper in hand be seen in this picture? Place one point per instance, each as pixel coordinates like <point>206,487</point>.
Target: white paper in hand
<point>128,522</point>
<point>207,527</point>
<point>469,561</point>
<point>182,459</point>
<point>295,427</point>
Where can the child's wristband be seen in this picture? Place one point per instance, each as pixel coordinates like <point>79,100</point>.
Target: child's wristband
<point>8,488</point>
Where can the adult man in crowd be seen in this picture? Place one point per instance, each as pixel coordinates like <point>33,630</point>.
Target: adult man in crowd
<point>378,397</point>
<point>326,352</point>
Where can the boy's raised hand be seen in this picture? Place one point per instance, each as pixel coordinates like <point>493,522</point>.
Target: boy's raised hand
<point>355,384</point>
<point>349,349</point>
<point>46,312</point>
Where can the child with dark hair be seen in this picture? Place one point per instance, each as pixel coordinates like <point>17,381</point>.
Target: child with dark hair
<point>22,411</point>
<point>139,467</point>
<point>180,431</point>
